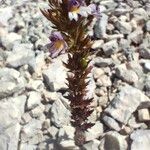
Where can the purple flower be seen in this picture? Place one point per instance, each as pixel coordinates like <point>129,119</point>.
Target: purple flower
<point>57,45</point>
<point>78,7</point>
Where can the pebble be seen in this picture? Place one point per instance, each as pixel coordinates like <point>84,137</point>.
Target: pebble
<point>122,107</point>
<point>34,99</point>
<point>110,47</point>
<point>144,115</point>
<point>123,27</point>
<point>140,139</point>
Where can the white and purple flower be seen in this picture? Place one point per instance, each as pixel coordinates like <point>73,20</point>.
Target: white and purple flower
<point>57,45</point>
<point>78,7</point>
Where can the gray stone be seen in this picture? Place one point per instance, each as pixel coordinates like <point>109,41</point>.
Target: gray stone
<point>10,39</point>
<point>94,132</point>
<point>53,131</point>
<point>136,125</point>
<point>123,27</point>
<point>10,116</point>
<point>34,99</point>
<point>9,137</point>
<point>111,123</point>
<point>126,74</point>
<point>22,54</point>
<point>37,111</point>
<point>125,103</point>
<point>5,14</point>
<point>26,117</point>
<point>140,139</point>
<point>140,14</point>
<point>147,66</point>
<point>101,25</point>
<point>97,72</point>
<point>110,47</point>
<point>102,62</point>
<point>144,49</point>
<point>92,145</point>
<point>136,36</point>
<point>30,130</point>
<point>59,114</point>
<point>26,146</point>
<point>55,76</point>
<point>37,138</point>
<point>11,82</point>
<point>148,26</point>
<point>143,115</point>
<point>38,63</point>
<point>66,136</point>
<point>113,141</point>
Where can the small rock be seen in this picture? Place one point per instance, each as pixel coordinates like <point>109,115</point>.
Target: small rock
<point>123,27</point>
<point>37,138</point>
<point>97,44</point>
<point>102,62</point>
<point>66,136</point>
<point>34,100</point>
<point>37,64</point>
<point>97,72</point>
<point>59,114</point>
<point>30,130</point>
<point>104,80</point>
<point>101,25</point>
<point>126,75</point>
<point>10,39</point>
<point>92,145</point>
<point>110,47</point>
<point>113,141</point>
<point>125,103</point>
<point>52,77</point>
<point>136,36</point>
<point>26,118</point>
<point>37,111</point>
<point>94,132</point>
<point>147,66</point>
<point>140,139</point>
<point>53,131</point>
<point>46,124</point>
<point>5,14</point>
<point>140,14</point>
<point>11,82</point>
<point>143,115</point>
<point>148,26</point>
<point>21,55</point>
<point>111,123</point>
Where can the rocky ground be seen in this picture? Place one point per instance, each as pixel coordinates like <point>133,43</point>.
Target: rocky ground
<point>34,113</point>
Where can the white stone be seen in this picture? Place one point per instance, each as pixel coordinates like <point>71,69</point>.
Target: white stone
<point>125,103</point>
<point>144,115</point>
<point>140,139</point>
<point>94,132</point>
<point>110,47</point>
<point>34,99</point>
<point>22,54</point>
<point>92,145</point>
<point>5,14</point>
<point>124,27</point>
<point>126,74</point>
<point>37,111</point>
<point>60,116</point>
<point>30,130</point>
<point>11,82</point>
<point>55,76</point>
<point>114,141</point>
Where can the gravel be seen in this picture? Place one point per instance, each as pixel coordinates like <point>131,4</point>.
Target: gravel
<point>34,111</point>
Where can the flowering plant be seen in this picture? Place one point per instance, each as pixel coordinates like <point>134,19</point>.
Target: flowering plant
<point>71,18</point>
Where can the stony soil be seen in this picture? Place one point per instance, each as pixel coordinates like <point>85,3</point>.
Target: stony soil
<point>34,113</point>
